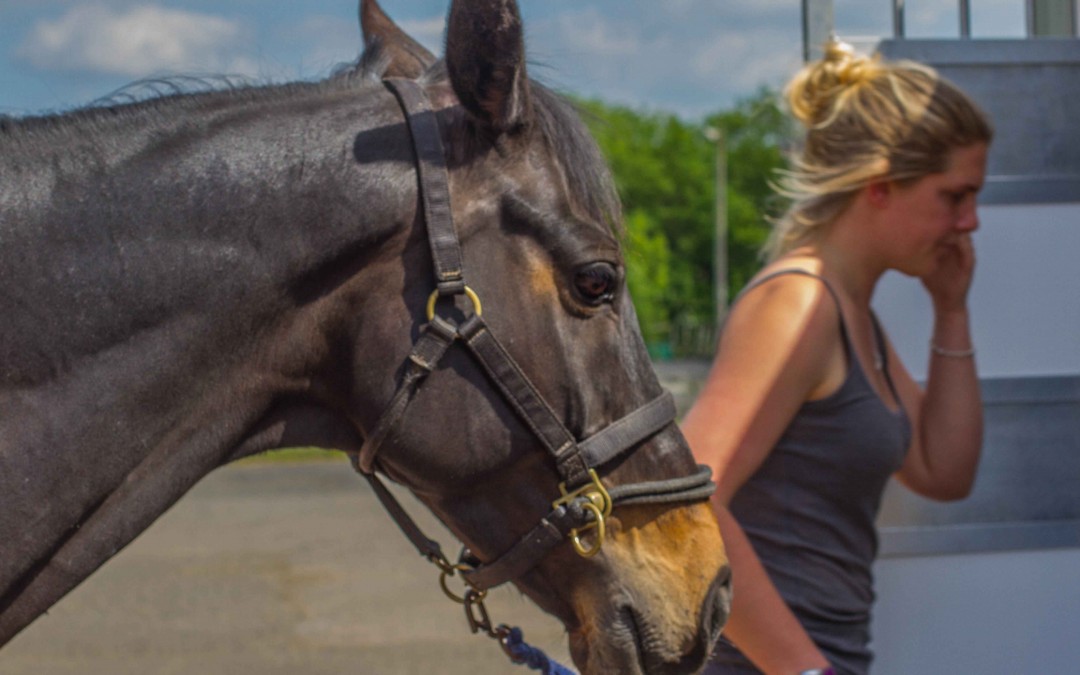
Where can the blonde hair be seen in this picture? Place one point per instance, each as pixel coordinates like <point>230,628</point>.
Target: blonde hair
<point>866,119</point>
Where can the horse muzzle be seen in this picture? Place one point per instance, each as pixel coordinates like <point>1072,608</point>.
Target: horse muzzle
<point>667,598</point>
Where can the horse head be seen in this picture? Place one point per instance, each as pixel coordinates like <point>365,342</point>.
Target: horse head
<point>537,217</point>
<point>201,277</point>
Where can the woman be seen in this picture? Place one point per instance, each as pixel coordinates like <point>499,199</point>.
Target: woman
<point>807,410</point>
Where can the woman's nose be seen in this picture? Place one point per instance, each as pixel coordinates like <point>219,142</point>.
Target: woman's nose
<point>969,220</point>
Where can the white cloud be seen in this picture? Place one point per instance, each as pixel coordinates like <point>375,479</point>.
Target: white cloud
<point>690,56</point>
<point>141,40</point>
<point>598,37</point>
<point>324,42</point>
<point>428,32</point>
<point>697,62</point>
<point>745,61</point>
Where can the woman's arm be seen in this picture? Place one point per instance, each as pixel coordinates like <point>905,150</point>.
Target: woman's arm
<point>781,346</point>
<point>761,624</point>
<point>947,417</point>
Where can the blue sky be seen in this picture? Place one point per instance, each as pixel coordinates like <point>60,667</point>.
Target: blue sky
<point>690,57</point>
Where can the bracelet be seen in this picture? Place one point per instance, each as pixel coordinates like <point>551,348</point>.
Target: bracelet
<point>952,353</point>
<point>819,671</point>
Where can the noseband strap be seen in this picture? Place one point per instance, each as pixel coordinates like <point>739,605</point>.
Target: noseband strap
<point>527,402</point>
<point>576,461</point>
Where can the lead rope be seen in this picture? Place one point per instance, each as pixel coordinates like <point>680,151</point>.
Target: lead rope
<point>524,654</point>
<point>511,639</point>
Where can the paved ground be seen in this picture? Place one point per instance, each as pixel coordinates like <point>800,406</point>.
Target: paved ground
<point>268,569</point>
<point>290,569</point>
<point>683,378</point>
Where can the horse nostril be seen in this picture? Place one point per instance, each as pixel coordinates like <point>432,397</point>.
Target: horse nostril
<point>717,606</point>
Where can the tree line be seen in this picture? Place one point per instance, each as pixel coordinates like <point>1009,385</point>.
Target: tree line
<point>665,171</point>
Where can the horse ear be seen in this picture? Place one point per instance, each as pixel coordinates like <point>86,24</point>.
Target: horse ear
<point>485,57</point>
<point>407,57</point>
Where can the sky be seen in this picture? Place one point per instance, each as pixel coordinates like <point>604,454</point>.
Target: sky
<point>687,57</point>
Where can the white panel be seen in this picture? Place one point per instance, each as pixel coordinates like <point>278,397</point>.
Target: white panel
<point>991,614</point>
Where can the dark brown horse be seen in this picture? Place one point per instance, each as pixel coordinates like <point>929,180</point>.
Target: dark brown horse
<point>196,278</point>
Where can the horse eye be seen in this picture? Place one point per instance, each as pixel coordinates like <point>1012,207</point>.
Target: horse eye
<point>596,283</point>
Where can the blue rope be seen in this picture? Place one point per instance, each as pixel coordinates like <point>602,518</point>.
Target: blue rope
<point>523,654</point>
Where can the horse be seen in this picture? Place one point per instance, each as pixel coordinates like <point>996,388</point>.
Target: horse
<point>199,277</point>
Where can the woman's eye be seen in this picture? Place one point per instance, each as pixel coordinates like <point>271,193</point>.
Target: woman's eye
<point>596,283</point>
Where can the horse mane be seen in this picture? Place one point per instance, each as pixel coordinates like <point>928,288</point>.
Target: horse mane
<point>168,95</point>
<point>557,120</point>
<point>589,179</point>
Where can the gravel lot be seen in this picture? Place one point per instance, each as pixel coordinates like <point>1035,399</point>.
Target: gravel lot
<point>273,568</point>
<point>289,568</point>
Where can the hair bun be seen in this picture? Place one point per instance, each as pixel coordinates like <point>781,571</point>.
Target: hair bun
<point>817,90</point>
<point>835,50</point>
<point>849,68</point>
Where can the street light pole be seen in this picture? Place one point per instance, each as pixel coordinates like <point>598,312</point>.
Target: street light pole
<point>720,245</point>
<point>819,25</point>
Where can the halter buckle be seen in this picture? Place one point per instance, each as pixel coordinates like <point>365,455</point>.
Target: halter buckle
<point>598,503</point>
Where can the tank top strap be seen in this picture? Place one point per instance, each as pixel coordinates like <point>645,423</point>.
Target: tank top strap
<point>849,351</point>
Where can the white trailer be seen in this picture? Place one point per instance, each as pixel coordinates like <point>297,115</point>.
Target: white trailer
<point>991,584</point>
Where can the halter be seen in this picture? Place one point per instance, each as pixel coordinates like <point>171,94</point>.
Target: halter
<point>585,502</point>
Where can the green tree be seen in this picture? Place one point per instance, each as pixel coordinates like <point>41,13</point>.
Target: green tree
<point>664,168</point>
<point>648,275</point>
<point>757,133</point>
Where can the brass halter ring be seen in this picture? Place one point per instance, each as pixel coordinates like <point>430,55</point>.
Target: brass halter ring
<point>469,293</point>
<point>461,600</point>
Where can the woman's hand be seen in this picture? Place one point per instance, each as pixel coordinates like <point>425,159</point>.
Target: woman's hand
<point>949,282</point>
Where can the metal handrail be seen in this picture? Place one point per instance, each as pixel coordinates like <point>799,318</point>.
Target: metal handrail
<point>965,18</point>
<point>898,8</point>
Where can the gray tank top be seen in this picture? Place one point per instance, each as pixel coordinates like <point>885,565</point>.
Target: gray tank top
<point>809,510</point>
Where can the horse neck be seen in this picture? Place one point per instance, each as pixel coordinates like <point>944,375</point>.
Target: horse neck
<point>168,296</point>
<point>157,278</point>
<point>242,198</point>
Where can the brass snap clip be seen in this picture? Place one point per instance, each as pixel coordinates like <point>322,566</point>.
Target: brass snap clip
<point>598,502</point>
<point>477,613</point>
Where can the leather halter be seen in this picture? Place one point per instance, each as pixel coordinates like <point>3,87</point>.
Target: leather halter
<point>586,501</point>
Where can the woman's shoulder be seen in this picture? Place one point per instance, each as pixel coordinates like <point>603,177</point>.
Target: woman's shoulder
<point>796,287</point>
<point>787,321</point>
<point>788,306</point>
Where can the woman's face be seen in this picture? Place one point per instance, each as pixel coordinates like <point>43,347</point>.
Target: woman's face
<point>936,210</point>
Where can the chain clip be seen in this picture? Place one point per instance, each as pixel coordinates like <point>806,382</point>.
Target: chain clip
<point>598,502</point>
